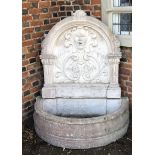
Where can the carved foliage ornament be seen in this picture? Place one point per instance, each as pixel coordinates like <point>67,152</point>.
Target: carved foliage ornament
<point>83,59</point>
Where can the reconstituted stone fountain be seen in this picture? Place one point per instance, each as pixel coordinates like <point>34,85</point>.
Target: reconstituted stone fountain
<point>81,105</point>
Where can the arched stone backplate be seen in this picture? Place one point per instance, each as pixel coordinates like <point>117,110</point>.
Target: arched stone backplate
<point>80,50</point>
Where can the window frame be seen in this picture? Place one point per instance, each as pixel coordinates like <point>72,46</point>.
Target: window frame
<point>107,9</point>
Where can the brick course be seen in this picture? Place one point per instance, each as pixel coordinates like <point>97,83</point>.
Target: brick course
<point>125,72</point>
<point>38,18</point>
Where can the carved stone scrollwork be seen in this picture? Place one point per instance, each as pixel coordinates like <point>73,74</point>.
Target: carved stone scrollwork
<point>76,66</point>
<point>83,60</point>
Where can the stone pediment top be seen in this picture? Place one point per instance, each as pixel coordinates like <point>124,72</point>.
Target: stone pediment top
<point>79,24</point>
<point>79,13</point>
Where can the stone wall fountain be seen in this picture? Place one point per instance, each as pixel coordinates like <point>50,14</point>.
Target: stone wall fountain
<point>81,105</point>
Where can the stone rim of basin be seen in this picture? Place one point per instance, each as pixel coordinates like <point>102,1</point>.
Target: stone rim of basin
<point>123,108</point>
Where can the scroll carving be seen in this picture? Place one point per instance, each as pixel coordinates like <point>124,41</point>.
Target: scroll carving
<point>82,58</point>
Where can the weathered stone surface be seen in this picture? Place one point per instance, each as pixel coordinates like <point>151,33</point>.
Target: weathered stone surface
<point>81,133</point>
<point>80,91</point>
<point>85,107</point>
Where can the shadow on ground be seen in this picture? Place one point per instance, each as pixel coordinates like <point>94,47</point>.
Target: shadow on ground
<point>33,145</point>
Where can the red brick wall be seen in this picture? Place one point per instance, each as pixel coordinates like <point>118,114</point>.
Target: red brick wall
<point>125,72</point>
<point>38,17</point>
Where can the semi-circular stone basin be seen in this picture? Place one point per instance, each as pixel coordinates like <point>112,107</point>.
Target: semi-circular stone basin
<point>83,131</point>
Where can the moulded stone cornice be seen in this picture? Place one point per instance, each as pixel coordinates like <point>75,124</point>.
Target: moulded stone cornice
<point>115,55</point>
<point>47,56</point>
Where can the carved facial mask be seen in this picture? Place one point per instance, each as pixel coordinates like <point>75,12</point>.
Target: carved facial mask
<point>80,39</point>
